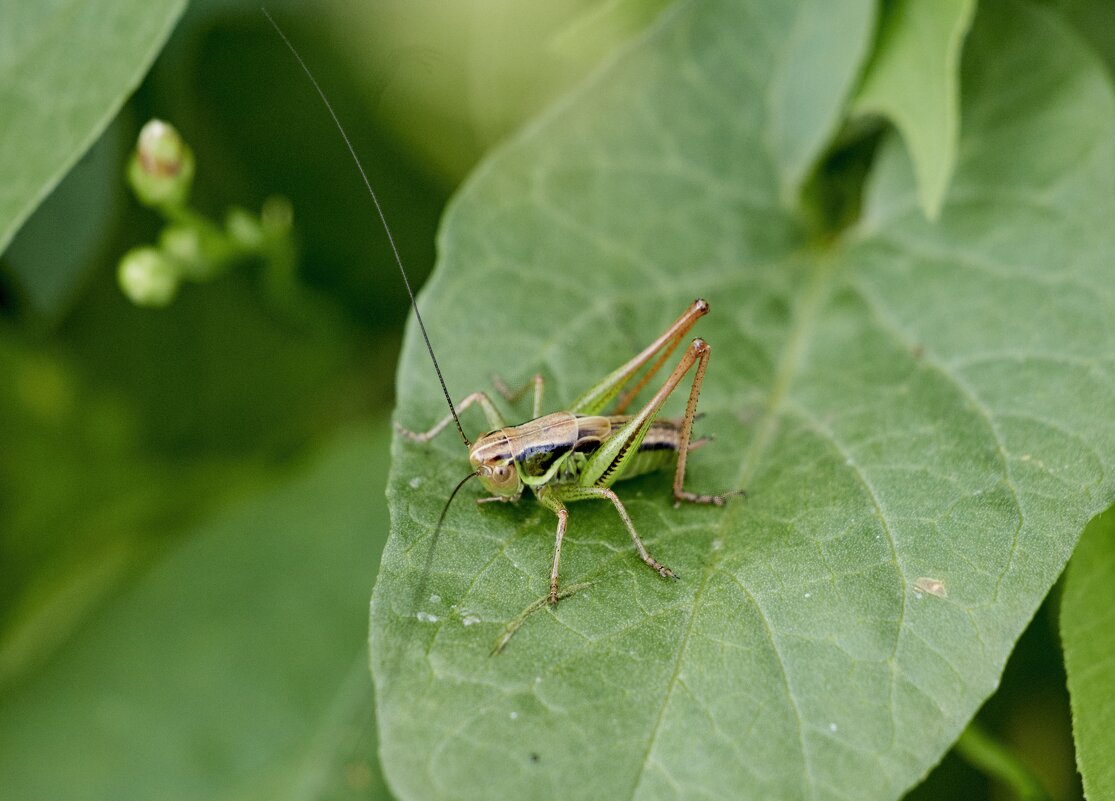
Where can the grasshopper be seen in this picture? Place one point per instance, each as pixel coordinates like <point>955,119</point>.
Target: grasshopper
<point>578,454</point>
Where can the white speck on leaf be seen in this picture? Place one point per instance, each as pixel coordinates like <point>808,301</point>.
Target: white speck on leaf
<point>416,482</point>
<point>931,586</point>
<point>426,617</point>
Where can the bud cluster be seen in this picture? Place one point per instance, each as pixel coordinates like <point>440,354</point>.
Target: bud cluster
<point>191,247</point>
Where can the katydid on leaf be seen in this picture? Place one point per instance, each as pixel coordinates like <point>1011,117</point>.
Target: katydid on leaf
<point>579,454</point>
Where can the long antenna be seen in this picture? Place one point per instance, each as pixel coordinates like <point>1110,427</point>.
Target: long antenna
<point>382,217</point>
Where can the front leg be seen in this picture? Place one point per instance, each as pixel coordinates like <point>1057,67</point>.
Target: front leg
<point>500,498</point>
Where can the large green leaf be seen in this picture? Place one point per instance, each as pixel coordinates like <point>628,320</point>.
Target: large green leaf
<point>65,69</point>
<point>920,413</point>
<point>233,668</point>
<point>1088,633</point>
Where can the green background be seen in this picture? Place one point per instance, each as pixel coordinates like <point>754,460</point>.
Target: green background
<point>192,503</point>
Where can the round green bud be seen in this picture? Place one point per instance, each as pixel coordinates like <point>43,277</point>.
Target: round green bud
<point>161,170</point>
<point>147,277</point>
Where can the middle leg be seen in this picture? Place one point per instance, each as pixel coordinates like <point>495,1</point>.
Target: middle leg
<point>549,498</point>
<point>575,493</point>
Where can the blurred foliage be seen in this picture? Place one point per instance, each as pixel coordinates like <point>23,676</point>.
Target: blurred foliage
<point>191,505</point>
<point>234,666</point>
<point>65,69</point>
<point>1088,633</point>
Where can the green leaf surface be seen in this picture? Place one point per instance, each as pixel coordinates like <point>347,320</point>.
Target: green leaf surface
<point>65,69</point>
<point>1088,634</point>
<point>917,411</point>
<point>914,80</point>
<point>235,667</point>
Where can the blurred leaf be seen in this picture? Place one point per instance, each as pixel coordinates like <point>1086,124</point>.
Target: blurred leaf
<point>985,752</point>
<point>235,667</point>
<point>245,107</point>
<point>1088,634</point>
<point>66,69</point>
<point>820,52</point>
<point>452,85</point>
<point>914,80</point>
<point>1093,20</point>
<point>217,373</point>
<point>131,423</point>
<point>59,244</point>
<point>76,491</point>
<point>595,33</point>
<point>918,413</point>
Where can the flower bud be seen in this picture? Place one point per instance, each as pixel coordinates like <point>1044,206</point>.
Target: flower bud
<point>147,277</point>
<point>162,168</point>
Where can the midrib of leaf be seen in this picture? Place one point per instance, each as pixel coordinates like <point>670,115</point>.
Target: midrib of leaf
<point>820,280</point>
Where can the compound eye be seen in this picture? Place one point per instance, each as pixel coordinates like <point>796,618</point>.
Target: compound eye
<point>502,474</point>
